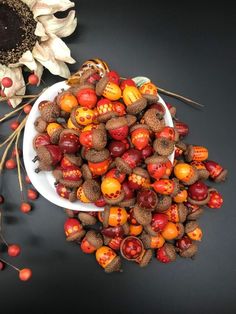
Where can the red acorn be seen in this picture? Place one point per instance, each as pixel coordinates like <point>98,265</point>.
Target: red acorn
<point>119,108</point>
<point>129,193</point>
<point>159,221</point>
<point>166,186</point>
<point>116,174</point>
<point>100,202</point>
<point>186,247</point>
<point>156,166</point>
<point>115,243</point>
<point>129,160</point>
<point>147,151</point>
<point>69,141</point>
<point>70,161</point>
<point>112,232</point>
<point>73,229</point>
<point>167,132</point>
<point>41,140</point>
<point>117,128</point>
<point>117,148</point>
<point>138,178</point>
<point>114,77</point>
<point>166,253</point>
<point>87,97</point>
<point>140,136</point>
<point>65,192</point>
<point>147,199</point>
<point>182,128</point>
<point>217,172</point>
<point>48,155</point>
<point>127,82</point>
<point>91,242</point>
<point>216,200</point>
<point>198,191</point>
<point>131,248</point>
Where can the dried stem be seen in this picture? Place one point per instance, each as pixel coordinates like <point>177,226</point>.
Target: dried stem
<point>18,96</point>
<point>5,153</point>
<point>1,235</point>
<point>14,133</point>
<point>9,264</point>
<point>11,113</point>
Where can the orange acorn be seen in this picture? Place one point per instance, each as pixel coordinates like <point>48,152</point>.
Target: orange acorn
<point>176,213</point>
<point>152,242</point>
<point>108,89</point>
<point>193,231</point>
<point>197,153</point>
<point>140,136</point>
<point>166,186</point>
<point>186,173</point>
<point>167,132</point>
<point>170,231</point>
<point>67,101</point>
<point>98,161</point>
<point>108,259</point>
<point>114,216</point>
<point>149,91</point>
<point>134,100</point>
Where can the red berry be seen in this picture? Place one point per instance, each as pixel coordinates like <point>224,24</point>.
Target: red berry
<point>27,180</point>
<point>33,79</point>
<point>13,250</point>
<point>7,82</point>
<point>10,164</point>
<point>32,194</point>
<point>25,274</point>
<point>25,207</point>
<point>13,154</point>
<point>14,125</point>
<point>2,265</point>
<point>27,109</point>
<point>1,199</point>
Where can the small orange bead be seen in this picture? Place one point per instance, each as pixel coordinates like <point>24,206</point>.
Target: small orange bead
<point>67,102</point>
<point>181,196</point>
<point>157,242</point>
<point>104,256</point>
<point>135,230</point>
<point>196,234</point>
<point>170,232</point>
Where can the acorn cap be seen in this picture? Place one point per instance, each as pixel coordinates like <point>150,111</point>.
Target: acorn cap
<point>107,116</point>
<point>182,211</point>
<point>93,155</point>
<point>146,258</point>
<point>115,123</point>
<point>34,140</point>
<point>75,160</point>
<point>143,217</point>
<point>156,159</point>
<point>151,99</point>
<point>195,177</point>
<point>138,126</point>
<point>114,265</point>
<point>73,118</point>
<point>170,251</point>
<point>50,112</point>
<point>137,106</point>
<point>181,145</point>
<point>101,85</point>
<point>43,167</point>
<point>86,75</point>
<point>92,190</point>
<point>44,155</point>
<point>122,166</point>
<point>71,184</point>
<point>222,176</point>
<point>141,172</point>
<point>130,119</point>
<point>99,139</point>
<point>190,252</point>
<point>152,119</point>
<point>164,203</point>
<point>116,200</point>
<point>189,153</point>
<point>191,226</point>
<point>69,131</point>
<point>196,214</point>
<point>57,173</point>
<point>128,203</point>
<point>181,230</point>
<point>163,146</point>
<point>86,172</point>
<point>176,187</point>
<point>76,236</point>
<point>83,86</point>
<point>40,125</point>
<point>106,215</point>
<point>112,165</point>
<point>200,203</point>
<point>72,196</point>
<point>146,239</point>
<point>94,238</point>
<point>125,227</point>
<point>150,231</point>
<point>203,174</point>
<point>56,135</point>
<point>87,219</point>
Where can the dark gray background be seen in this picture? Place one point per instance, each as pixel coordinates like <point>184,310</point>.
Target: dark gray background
<point>184,47</point>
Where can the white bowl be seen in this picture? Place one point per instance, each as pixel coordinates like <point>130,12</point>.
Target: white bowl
<point>44,181</point>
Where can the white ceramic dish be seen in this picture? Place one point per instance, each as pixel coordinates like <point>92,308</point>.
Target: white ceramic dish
<point>44,181</point>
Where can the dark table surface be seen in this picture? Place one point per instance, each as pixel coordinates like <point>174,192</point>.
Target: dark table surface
<point>185,47</point>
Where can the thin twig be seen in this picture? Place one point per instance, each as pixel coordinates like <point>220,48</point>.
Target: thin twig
<point>18,162</point>
<point>18,96</point>
<point>1,235</point>
<point>6,152</point>
<point>11,113</point>
<point>14,133</point>
<point>9,264</point>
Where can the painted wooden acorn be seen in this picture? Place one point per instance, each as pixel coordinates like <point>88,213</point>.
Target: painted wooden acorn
<point>116,174</point>
<point>138,178</point>
<point>164,202</point>
<point>82,116</point>
<point>149,91</point>
<point>166,254</point>
<point>166,186</point>
<point>186,173</point>
<point>49,111</point>
<point>193,231</point>
<point>216,199</point>
<point>114,243</point>
<point>70,177</point>
<point>112,191</point>
<point>158,224</point>
<point>182,128</point>
<point>66,101</point>
<point>135,230</point>
<point>180,148</point>
<point>86,96</point>
<point>182,196</point>
<point>108,259</point>
<point>129,195</point>
<point>119,108</point>
<point>93,136</point>
<point>91,242</point>
<point>65,192</point>
<point>114,216</point>
<point>134,100</point>
<point>156,166</point>
<point>98,161</point>
<point>89,192</point>
<point>106,110</point>
<point>70,160</point>
<point>131,248</point>
<point>177,213</point>
<point>152,242</point>
<point>217,172</point>
<point>171,231</point>
<point>41,140</point>
<point>147,199</point>
<point>197,153</point>
<point>87,218</point>
<point>168,133</point>
<point>54,130</point>
<point>203,173</point>
<point>186,247</point>
<point>69,141</point>
<point>73,229</point>
<point>40,125</point>
<point>49,155</point>
<point>194,211</point>
<point>140,136</point>
<point>117,231</point>
<point>129,160</point>
<point>108,89</point>
<point>90,76</point>
<point>198,193</point>
<point>117,128</point>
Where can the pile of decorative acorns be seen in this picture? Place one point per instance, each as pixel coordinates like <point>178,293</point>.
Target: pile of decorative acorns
<point>106,143</point>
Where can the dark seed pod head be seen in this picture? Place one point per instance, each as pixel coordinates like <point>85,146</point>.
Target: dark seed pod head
<point>164,203</point>
<point>123,166</point>
<point>93,155</point>
<point>99,139</point>
<point>146,239</point>
<point>86,172</point>
<point>131,120</point>
<point>92,190</point>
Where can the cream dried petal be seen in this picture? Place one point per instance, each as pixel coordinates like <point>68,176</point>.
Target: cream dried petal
<point>45,7</point>
<point>40,32</point>
<point>61,27</point>
<point>59,49</point>
<point>39,72</point>
<point>30,3</point>
<point>27,59</point>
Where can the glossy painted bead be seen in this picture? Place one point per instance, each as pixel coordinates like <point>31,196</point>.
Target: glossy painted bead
<point>104,256</point>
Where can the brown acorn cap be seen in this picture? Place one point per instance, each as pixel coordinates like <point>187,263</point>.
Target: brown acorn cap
<point>72,196</point>
<point>195,177</point>
<point>83,86</point>
<point>141,172</point>
<point>163,146</point>
<point>101,85</point>
<point>40,125</point>
<point>126,228</point>
<point>152,119</point>
<point>164,203</point>
<point>114,265</point>
<point>181,230</point>
<point>106,215</point>
<point>50,112</point>
<point>151,98</point>
<point>56,135</point>
<point>94,238</point>
<point>176,187</point>
<point>75,160</point>
<point>190,252</point>
<point>196,214</point>
<point>173,111</point>
<point>138,126</point>
<point>112,165</point>
<point>34,140</point>
<point>92,190</point>
<point>189,153</point>
<point>107,116</point>
<point>146,239</point>
<point>115,201</point>
<point>130,119</point>
<point>222,176</point>
<point>57,173</point>
<point>200,203</point>
<point>71,184</point>
<point>191,226</point>
<point>44,155</point>
<point>99,139</point>
<point>73,118</point>
<point>155,159</point>
<point>93,155</point>
<point>86,75</point>
<point>43,167</point>
<point>106,240</point>
<point>69,131</point>
<point>143,217</point>
<point>128,203</point>
<point>203,174</point>
<point>150,231</point>
<point>122,166</point>
<point>115,123</point>
<point>76,236</point>
<point>182,211</point>
<point>137,106</point>
<point>86,173</point>
<point>146,258</point>
<point>87,219</point>
<point>176,139</point>
<point>170,251</point>
<point>181,145</point>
